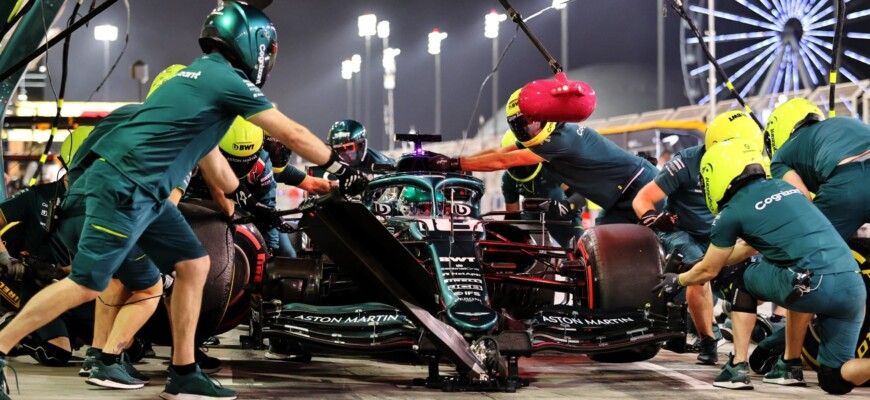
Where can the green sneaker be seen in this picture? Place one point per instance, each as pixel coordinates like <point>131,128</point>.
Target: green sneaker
<point>125,361</point>
<point>196,385</point>
<point>4,385</point>
<point>114,376</point>
<point>734,376</point>
<point>786,373</point>
<point>90,357</point>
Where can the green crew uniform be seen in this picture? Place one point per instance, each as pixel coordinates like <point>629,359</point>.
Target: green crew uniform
<point>31,208</point>
<point>139,272</point>
<point>596,168</point>
<point>813,152</point>
<point>128,185</point>
<point>774,218</point>
<point>544,185</point>
<point>679,181</point>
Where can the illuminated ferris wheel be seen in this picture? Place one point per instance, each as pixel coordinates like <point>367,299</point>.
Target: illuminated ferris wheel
<point>774,46</point>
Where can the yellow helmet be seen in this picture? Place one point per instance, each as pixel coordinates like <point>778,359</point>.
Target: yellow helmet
<point>730,125</point>
<point>529,133</point>
<point>241,145</point>
<point>164,76</point>
<point>71,144</point>
<point>785,118</point>
<point>726,166</point>
<point>523,173</point>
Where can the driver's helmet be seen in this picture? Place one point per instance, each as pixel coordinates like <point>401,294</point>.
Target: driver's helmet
<point>727,167</point>
<point>529,133</point>
<point>241,146</point>
<point>348,139</point>
<point>730,125</point>
<point>416,202</point>
<point>245,36</point>
<point>785,118</point>
<point>523,173</point>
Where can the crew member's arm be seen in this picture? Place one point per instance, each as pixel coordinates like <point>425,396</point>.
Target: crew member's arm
<point>510,192</point>
<point>646,198</point>
<point>315,185</point>
<point>741,252</point>
<point>500,160</point>
<point>220,179</point>
<point>708,268</point>
<point>795,180</point>
<point>293,135</point>
<point>497,150</point>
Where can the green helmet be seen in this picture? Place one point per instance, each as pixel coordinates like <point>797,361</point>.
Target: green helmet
<point>348,139</point>
<point>414,201</point>
<point>245,36</point>
<point>71,144</point>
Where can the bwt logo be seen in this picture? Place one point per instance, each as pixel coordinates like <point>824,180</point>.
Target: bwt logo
<point>237,146</point>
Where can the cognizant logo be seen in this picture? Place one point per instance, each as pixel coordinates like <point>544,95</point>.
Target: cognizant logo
<point>775,197</point>
<point>261,63</point>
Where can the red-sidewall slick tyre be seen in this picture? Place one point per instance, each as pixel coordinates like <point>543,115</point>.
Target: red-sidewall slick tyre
<point>625,262</point>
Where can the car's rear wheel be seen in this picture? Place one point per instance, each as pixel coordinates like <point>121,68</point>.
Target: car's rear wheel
<point>625,261</point>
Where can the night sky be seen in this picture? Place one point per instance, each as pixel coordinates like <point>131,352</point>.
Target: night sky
<point>612,42</point>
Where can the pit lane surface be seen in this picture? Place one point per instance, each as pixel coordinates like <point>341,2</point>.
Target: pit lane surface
<point>552,375</point>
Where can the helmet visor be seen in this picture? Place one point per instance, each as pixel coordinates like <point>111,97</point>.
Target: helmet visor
<point>350,152</point>
<point>524,130</point>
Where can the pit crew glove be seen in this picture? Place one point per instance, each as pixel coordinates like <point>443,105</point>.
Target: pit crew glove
<point>46,273</point>
<point>266,217</point>
<point>664,221</point>
<point>669,287</point>
<point>243,196</point>
<point>5,259</point>
<point>351,182</point>
<point>442,163</point>
<point>14,271</point>
<point>559,208</point>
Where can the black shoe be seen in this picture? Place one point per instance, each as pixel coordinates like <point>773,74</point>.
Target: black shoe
<point>708,354</point>
<point>207,364</point>
<point>212,341</point>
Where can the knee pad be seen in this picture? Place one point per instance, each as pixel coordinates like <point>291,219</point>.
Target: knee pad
<point>47,354</point>
<point>832,381</point>
<point>742,301</point>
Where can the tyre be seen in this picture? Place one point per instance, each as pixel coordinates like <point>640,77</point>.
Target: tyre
<point>217,239</point>
<point>625,261</point>
<point>861,251</point>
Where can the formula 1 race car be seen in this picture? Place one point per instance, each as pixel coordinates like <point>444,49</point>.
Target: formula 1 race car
<point>416,252</point>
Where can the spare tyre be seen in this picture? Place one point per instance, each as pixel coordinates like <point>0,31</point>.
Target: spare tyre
<point>625,261</point>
